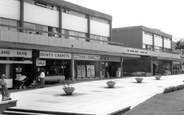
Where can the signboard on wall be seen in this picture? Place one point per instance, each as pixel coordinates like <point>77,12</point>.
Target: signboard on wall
<point>110,58</point>
<point>86,57</point>
<point>53,55</point>
<point>15,53</point>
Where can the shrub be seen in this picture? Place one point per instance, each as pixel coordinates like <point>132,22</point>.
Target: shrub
<point>173,88</point>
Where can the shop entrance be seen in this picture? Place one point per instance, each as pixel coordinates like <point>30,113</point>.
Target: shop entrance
<point>110,69</point>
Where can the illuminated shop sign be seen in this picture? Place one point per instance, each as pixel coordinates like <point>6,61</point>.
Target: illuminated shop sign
<point>15,53</point>
<point>110,58</point>
<point>86,57</point>
<point>51,55</point>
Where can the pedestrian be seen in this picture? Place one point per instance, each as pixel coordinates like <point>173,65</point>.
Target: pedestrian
<point>3,88</point>
<point>42,78</point>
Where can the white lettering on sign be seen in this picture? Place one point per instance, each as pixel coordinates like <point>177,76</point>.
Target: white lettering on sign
<point>15,53</point>
<point>50,55</point>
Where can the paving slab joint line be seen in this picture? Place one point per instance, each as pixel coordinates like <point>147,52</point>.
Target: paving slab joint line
<point>121,111</point>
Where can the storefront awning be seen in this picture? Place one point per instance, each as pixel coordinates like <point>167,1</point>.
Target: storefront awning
<point>15,62</point>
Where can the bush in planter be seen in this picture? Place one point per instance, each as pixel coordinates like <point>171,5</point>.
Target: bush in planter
<point>68,87</point>
<point>111,83</point>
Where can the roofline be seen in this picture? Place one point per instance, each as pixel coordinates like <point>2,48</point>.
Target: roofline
<point>144,28</point>
<point>78,8</point>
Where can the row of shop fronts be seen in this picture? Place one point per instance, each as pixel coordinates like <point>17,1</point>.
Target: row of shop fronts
<point>77,66</point>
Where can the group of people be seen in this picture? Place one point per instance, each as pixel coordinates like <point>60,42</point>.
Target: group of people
<point>4,89</point>
<point>40,79</point>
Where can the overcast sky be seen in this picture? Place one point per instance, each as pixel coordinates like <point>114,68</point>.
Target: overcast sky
<point>165,15</point>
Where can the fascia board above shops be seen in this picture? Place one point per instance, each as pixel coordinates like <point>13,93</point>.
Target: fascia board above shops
<point>150,53</point>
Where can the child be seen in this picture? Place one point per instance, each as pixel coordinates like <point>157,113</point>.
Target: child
<point>3,88</point>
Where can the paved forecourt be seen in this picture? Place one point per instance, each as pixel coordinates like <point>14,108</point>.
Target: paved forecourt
<point>93,97</point>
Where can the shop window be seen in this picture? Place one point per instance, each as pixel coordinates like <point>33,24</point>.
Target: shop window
<point>57,67</point>
<point>8,22</point>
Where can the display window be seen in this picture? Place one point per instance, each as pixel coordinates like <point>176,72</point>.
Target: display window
<point>57,67</point>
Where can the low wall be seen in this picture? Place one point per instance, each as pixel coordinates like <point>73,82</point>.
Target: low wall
<point>6,104</point>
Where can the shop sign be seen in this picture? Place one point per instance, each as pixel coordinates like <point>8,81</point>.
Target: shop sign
<point>40,62</point>
<point>110,58</point>
<point>86,57</point>
<point>15,53</point>
<point>137,51</point>
<point>51,55</point>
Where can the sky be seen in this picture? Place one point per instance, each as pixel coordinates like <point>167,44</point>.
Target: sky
<point>165,15</point>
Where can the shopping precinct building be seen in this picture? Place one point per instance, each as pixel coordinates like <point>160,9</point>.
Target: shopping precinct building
<point>62,38</point>
<point>153,41</point>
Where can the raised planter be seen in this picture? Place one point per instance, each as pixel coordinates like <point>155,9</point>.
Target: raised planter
<point>110,84</point>
<point>69,90</point>
<point>139,79</point>
<point>6,104</point>
<point>158,77</point>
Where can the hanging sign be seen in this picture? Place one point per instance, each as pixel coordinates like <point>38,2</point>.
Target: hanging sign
<point>40,62</point>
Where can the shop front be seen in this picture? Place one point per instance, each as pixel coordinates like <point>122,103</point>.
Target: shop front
<point>110,66</point>
<point>176,67</point>
<point>15,64</point>
<point>86,66</point>
<point>56,65</point>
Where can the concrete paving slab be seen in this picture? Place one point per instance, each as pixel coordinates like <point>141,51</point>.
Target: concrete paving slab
<point>93,97</point>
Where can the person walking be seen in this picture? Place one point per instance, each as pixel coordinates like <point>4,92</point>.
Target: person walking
<point>3,88</point>
<point>42,78</point>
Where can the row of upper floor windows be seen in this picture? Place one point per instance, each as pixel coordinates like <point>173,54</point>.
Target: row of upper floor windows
<point>65,10</point>
<point>51,31</point>
<point>158,36</point>
<point>156,48</point>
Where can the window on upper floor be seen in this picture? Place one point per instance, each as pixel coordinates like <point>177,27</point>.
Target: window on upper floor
<point>99,19</point>
<point>41,29</point>
<point>77,35</point>
<point>167,50</point>
<point>75,13</point>
<point>157,48</point>
<point>42,4</point>
<point>147,33</point>
<point>10,25</point>
<point>157,36</point>
<point>147,47</point>
<point>99,39</point>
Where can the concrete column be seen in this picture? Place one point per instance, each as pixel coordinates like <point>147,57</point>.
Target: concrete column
<point>121,62</point>
<point>60,20</point>
<point>21,23</point>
